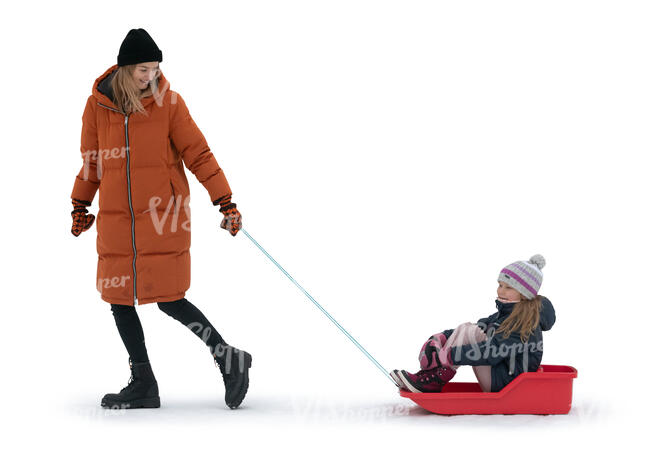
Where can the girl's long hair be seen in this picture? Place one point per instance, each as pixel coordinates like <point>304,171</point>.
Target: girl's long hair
<point>126,94</point>
<point>524,318</point>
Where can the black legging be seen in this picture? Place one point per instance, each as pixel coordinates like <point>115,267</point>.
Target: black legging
<point>130,328</point>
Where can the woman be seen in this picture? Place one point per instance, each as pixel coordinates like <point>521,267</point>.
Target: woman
<point>136,135</point>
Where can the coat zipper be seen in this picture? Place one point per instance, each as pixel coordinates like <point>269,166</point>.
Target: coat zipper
<point>128,183</point>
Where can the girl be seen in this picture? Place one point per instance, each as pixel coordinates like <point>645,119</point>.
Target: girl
<point>135,138</point>
<point>498,347</point>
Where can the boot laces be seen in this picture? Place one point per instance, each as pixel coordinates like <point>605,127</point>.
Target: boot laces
<point>427,376</point>
<point>223,355</point>
<point>132,378</point>
<point>226,377</point>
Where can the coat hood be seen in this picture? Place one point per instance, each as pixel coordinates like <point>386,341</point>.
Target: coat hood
<point>546,315</point>
<point>104,93</point>
<point>546,312</point>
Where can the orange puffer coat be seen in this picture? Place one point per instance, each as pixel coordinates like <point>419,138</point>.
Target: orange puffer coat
<point>136,162</point>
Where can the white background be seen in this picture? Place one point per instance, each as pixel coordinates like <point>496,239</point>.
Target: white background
<point>392,157</point>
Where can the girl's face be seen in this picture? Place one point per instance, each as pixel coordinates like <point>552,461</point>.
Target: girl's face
<point>507,294</point>
<point>144,73</point>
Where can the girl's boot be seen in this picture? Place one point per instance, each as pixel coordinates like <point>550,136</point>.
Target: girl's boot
<point>427,381</point>
<point>141,391</point>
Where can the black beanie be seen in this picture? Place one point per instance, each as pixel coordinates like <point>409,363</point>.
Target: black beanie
<point>138,47</point>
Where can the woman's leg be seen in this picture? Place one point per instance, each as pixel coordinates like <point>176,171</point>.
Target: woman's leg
<point>130,328</point>
<point>232,362</point>
<point>189,315</point>
<point>465,334</point>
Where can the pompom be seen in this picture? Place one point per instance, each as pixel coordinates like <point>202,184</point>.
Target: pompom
<point>538,260</point>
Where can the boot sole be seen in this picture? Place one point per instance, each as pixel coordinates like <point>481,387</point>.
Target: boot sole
<point>153,402</point>
<point>397,380</point>
<point>248,362</point>
<point>406,382</point>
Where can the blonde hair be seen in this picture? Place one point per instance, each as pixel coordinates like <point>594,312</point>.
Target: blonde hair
<point>126,93</point>
<point>524,318</point>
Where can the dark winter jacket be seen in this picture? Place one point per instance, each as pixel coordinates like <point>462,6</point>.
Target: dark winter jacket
<point>508,357</point>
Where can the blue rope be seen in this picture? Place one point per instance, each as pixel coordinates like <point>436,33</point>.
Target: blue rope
<point>379,366</point>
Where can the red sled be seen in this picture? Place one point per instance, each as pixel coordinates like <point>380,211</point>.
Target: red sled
<point>547,391</point>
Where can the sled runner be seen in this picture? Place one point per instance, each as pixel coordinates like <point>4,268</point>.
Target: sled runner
<point>547,391</point>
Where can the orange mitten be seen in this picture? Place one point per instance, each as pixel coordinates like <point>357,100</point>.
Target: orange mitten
<point>81,219</point>
<point>232,217</point>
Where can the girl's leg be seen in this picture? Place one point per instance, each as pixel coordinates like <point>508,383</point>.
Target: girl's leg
<point>484,376</point>
<point>465,334</point>
<point>130,328</point>
<point>471,333</point>
<point>189,315</point>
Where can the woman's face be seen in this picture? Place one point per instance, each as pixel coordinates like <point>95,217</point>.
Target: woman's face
<point>507,294</point>
<point>144,73</point>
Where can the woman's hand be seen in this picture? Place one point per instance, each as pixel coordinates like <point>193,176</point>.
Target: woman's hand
<point>232,217</point>
<point>81,219</point>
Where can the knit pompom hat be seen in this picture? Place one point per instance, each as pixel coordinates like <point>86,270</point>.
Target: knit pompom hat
<point>524,276</point>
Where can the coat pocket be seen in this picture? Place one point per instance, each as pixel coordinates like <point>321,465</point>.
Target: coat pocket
<point>171,185</point>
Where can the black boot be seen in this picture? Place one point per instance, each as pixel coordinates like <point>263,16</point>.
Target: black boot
<point>233,364</point>
<point>141,392</point>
